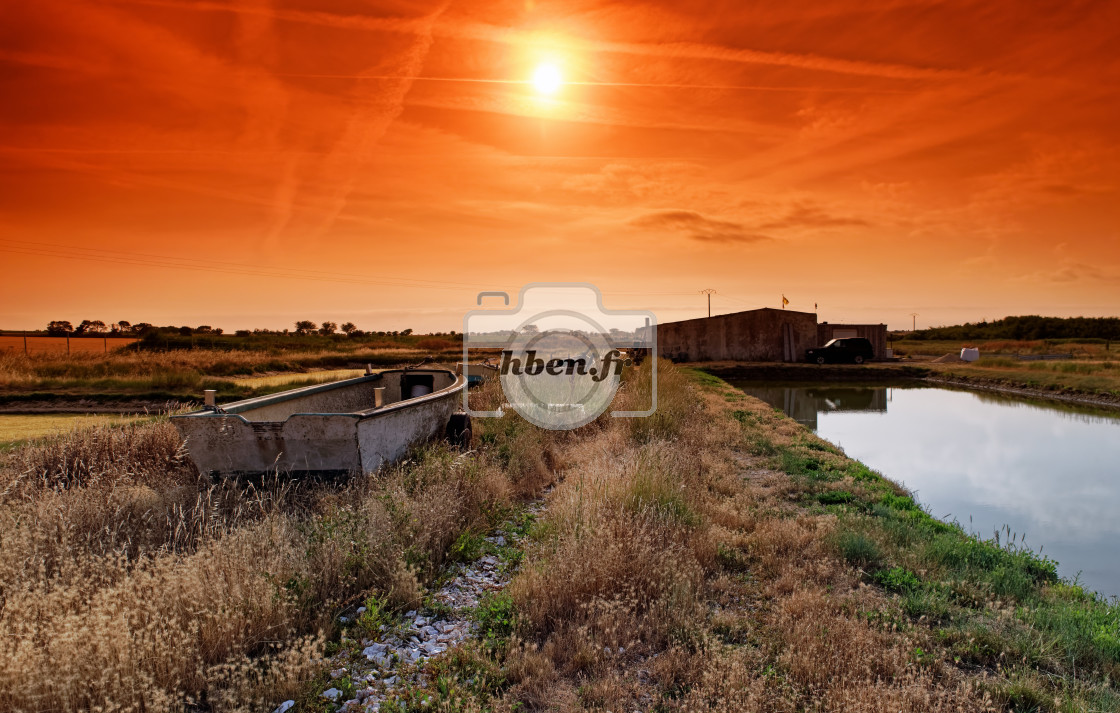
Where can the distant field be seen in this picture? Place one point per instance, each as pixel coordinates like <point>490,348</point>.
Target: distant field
<point>16,428</point>
<point>1008,347</point>
<point>57,345</point>
<point>1089,376</point>
<point>179,374</point>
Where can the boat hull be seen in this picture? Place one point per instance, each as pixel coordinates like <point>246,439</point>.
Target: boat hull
<point>274,434</point>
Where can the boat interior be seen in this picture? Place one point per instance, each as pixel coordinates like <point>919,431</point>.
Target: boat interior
<point>357,396</point>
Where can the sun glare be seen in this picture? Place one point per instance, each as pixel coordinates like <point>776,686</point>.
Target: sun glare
<point>547,79</point>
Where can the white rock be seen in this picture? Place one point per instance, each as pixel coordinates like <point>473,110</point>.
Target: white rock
<point>331,694</point>
<point>361,610</point>
<point>338,672</point>
<point>410,614</point>
<point>420,621</point>
<point>374,649</point>
<point>381,660</point>
<point>284,707</point>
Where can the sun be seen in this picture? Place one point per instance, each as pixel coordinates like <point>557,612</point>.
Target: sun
<point>547,79</point>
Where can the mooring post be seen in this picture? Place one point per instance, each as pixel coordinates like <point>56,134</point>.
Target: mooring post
<point>209,398</point>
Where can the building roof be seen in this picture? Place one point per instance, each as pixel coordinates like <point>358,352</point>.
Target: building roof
<point>746,311</point>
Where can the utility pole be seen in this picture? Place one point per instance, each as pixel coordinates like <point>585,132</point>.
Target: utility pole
<point>914,324</point>
<point>708,292</point>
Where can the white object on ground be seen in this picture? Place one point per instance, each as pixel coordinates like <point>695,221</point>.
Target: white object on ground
<point>970,354</point>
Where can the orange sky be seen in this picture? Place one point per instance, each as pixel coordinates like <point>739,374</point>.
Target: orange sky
<point>204,162</point>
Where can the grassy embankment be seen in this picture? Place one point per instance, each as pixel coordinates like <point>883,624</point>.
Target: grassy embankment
<point>716,556</point>
<point>721,557</point>
<point>183,374</point>
<point>1093,370</point>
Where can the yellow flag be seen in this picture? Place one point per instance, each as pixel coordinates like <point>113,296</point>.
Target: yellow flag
<point>784,301</point>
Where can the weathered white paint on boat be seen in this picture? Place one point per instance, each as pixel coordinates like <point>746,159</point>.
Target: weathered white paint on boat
<point>326,428</point>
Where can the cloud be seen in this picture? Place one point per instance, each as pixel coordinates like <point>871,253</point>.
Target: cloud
<point>804,216</point>
<point>1069,271</point>
<point>697,227</point>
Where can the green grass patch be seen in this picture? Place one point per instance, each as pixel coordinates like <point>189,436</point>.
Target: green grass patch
<point>858,549</point>
<point>800,464</point>
<point>835,497</point>
<point>898,579</point>
<point>496,618</point>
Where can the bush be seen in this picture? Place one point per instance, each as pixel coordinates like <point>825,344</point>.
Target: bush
<point>898,579</point>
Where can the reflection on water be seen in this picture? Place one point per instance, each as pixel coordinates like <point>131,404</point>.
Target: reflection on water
<point>805,402</point>
<point>986,460</point>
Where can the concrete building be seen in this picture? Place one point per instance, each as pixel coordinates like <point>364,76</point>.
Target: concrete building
<point>758,335</point>
<point>755,335</point>
<point>874,333</point>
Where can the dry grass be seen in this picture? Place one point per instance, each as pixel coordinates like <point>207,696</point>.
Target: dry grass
<point>1010,347</point>
<point>183,372</point>
<point>1088,377</point>
<point>129,583</point>
<point>684,563</point>
<point>299,379</point>
<point>674,570</point>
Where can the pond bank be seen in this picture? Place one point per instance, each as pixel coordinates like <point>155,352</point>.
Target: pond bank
<point>893,373</point>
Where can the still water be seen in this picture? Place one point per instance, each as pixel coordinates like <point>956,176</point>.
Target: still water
<point>1051,472</point>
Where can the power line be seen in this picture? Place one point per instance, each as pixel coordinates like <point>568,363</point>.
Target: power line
<point>708,291</point>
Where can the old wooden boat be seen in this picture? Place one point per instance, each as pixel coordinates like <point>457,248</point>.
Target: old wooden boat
<point>477,373</point>
<point>349,426</point>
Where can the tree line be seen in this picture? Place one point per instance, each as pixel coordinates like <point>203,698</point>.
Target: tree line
<point>303,327</point>
<point>61,327</point>
<point>1027,328</point>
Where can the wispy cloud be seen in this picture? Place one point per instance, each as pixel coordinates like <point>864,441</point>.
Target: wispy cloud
<point>697,227</point>
<point>495,33</point>
<point>809,216</point>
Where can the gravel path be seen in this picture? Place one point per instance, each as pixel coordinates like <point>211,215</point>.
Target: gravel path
<point>396,658</point>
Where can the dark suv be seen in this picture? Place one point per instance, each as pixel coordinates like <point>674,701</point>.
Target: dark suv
<point>850,349</point>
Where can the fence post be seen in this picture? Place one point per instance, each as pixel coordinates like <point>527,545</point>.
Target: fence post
<point>67,345</point>
<point>105,344</point>
<point>25,344</point>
